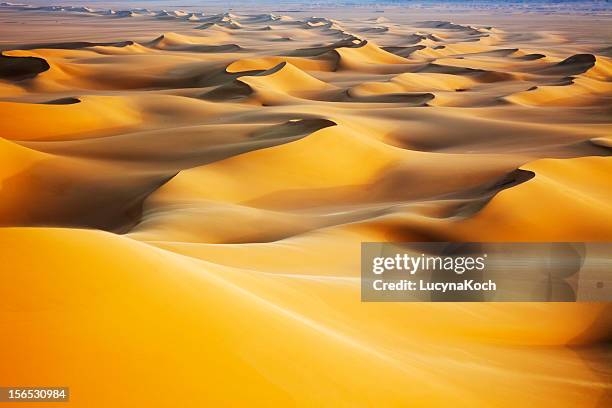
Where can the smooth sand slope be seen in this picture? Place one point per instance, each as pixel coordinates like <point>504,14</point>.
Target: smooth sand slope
<point>183,197</point>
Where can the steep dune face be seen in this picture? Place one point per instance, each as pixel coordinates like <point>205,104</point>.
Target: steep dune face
<point>178,42</point>
<point>367,57</point>
<point>184,197</point>
<point>106,68</point>
<point>18,68</point>
<point>265,63</point>
<point>313,173</point>
<point>281,84</point>
<point>574,65</point>
<point>587,81</point>
<point>285,79</point>
<point>579,92</point>
<point>581,185</point>
<point>45,189</point>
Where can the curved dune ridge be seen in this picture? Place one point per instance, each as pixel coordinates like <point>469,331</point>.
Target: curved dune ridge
<point>284,79</point>
<point>88,116</point>
<point>183,196</point>
<point>588,81</point>
<point>177,42</point>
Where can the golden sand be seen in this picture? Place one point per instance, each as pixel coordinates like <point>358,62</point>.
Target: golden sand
<point>183,204</point>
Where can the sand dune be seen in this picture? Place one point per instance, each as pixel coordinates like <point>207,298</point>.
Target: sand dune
<point>184,196</point>
<point>266,63</point>
<point>18,68</point>
<point>418,82</point>
<point>366,57</point>
<point>284,78</point>
<point>586,80</point>
<point>580,184</point>
<point>84,295</point>
<point>45,121</point>
<point>177,42</point>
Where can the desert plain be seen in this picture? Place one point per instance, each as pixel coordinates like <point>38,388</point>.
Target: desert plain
<point>183,195</point>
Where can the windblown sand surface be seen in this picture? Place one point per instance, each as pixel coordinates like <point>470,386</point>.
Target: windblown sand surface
<point>184,197</point>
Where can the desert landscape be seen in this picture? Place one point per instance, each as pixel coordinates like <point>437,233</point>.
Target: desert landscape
<point>184,192</point>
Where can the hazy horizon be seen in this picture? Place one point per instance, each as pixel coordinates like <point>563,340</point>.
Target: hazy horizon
<point>531,5</point>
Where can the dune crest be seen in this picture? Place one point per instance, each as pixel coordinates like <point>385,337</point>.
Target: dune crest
<point>91,114</point>
<point>580,184</point>
<point>366,57</point>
